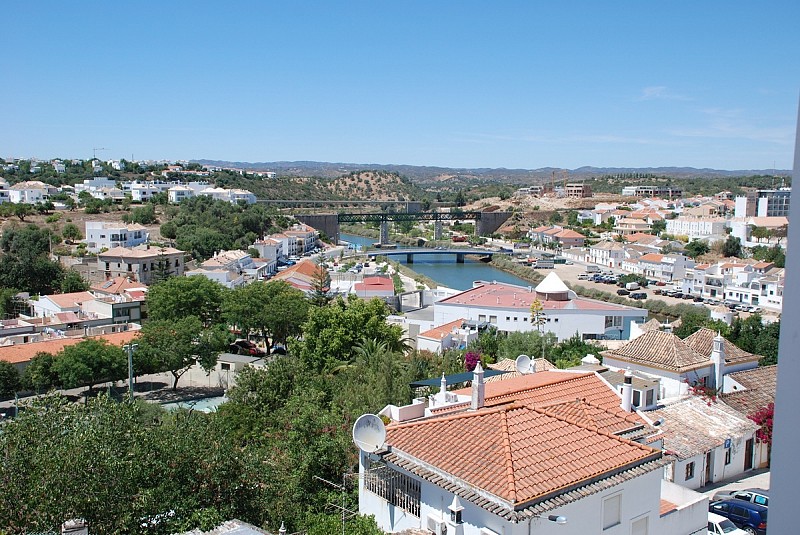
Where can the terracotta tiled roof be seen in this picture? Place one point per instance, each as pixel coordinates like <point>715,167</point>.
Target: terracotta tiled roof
<point>25,352</point>
<point>661,350</point>
<point>519,454</point>
<point>652,325</point>
<point>693,426</point>
<point>652,257</point>
<point>702,341</point>
<point>509,296</point>
<point>666,507</point>
<point>69,300</point>
<point>550,387</point>
<point>375,284</point>
<point>759,384</point>
<point>117,286</point>
<point>590,415</point>
<point>509,365</point>
<point>437,333</point>
<point>300,275</point>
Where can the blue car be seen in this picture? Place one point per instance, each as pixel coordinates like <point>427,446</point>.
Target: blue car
<point>751,517</point>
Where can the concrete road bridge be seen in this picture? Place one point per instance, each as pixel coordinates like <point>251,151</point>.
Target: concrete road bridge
<point>411,252</point>
<point>486,223</point>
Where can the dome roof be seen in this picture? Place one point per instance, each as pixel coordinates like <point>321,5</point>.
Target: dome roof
<point>552,284</point>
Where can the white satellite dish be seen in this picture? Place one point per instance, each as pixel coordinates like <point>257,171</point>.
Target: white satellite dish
<point>369,433</point>
<point>524,364</point>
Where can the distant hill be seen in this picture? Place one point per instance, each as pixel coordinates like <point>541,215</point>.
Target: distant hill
<point>429,176</point>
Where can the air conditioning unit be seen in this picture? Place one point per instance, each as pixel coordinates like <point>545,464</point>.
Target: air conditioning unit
<point>437,526</point>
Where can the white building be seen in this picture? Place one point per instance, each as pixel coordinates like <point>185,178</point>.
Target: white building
<point>508,308</point>
<point>607,253</point>
<point>709,440</point>
<point>179,193</point>
<point>102,235</point>
<point>93,184</point>
<point>140,263</point>
<point>698,228</point>
<point>702,359</point>
<point>144,191</point>
<point>4,191</point>
<point>30,192</point>
<point>456,334</point>
<point>228,279</point>
<point>511,461</point>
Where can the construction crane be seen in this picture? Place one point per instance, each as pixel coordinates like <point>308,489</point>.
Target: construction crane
<point>94,152</point>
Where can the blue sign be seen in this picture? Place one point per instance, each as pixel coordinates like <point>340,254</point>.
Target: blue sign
<point>727,443</point>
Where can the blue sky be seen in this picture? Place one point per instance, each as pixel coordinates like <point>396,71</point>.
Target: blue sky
<point>464,84</point>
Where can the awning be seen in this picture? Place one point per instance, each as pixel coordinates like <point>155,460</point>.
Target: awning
<point>455,378</point>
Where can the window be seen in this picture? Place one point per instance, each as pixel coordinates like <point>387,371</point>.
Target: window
<point>515,318</point>
<point>639,526</point>
<point>492,319</point>
<point>612,511</point>
<point>689,471</point>
<point>508,318</point>
<point>637,398</point>
<point>398,489</point>
<point>649,397</point>
<point>727,456</point>
<point>224,366</point>
<point>481,317</point>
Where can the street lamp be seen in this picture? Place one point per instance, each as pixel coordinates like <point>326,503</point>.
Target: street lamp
<point>130,348</point>
<point>557,519</point>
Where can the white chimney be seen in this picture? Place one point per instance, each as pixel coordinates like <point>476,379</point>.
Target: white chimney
<point>627,392</point>
<point>478,387</point>
<point>718,360</point>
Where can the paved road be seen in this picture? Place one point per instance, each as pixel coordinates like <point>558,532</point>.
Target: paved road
<point>757,479</point>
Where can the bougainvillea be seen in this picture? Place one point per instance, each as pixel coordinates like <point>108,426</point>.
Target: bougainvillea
<point>471,359</point>
<point>763,417</point>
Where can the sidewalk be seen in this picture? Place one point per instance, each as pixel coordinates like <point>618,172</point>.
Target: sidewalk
<point>756,479</point>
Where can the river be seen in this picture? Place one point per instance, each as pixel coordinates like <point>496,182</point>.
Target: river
<point>444,269</point>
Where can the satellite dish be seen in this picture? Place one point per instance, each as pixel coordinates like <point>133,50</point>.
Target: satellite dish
<point>369,433</point>
<point>524,364</point>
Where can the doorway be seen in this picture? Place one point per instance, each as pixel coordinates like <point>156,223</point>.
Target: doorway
<point>748,455</point>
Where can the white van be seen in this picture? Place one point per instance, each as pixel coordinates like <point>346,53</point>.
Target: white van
<point>591,268</point>
<point>632,286</point>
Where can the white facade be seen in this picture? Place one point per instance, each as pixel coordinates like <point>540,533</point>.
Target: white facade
<point>100,235</point>
<point>30,192</point>
<point>701,228</point>
<point>624,509</point>
<point>224,277</point>
<point>92,184</point>
<point>607,253</point>
<point>178,194</point>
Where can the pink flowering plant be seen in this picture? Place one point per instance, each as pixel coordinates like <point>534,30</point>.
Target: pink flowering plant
<point>471,359</point>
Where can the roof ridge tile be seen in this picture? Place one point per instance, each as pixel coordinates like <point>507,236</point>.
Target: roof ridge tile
<point>508,457</point>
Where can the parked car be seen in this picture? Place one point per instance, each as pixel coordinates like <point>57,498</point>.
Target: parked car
<point>758,496</point>
<point>638,295</point>
<point>751,517</point>
<point>719,525</point>
<point>697,299</point>
<point>661,283</point>
<point>754,310</point>
<point>583,277</point>
<point>246,347</point>
<point>623,291</point>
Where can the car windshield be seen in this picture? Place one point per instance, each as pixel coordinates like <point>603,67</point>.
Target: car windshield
<point>727,526</point>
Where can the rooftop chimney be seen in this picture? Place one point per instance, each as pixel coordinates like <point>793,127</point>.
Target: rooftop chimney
<point>718,360</point>
<point>478,387</point>
<point>627,392</point>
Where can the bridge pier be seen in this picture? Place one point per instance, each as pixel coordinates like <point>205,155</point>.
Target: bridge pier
<point>437,230</point>
<point>459,258</point>
<point>409,258</point>
<point>384,233</point>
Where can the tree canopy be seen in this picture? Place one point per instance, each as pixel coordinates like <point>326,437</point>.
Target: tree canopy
<point>180,297</point>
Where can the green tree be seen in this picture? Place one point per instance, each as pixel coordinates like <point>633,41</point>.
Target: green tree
<point>175,345</point>
<point>89,362</point>
<point>10,380</point>
<point>331,332</point>
<point>320,287</point>
<point>658,226</point>
<point>273,310</point>
<point>692,319</point>
<point>73,282</point>
<point>39,374</point>
<point>181,297</point>
<point>71,233</point>
<point>732,247</point>
<point>144,215</point>
<point>22,210</point>
<point>696,248</point>
<point>531,343</point>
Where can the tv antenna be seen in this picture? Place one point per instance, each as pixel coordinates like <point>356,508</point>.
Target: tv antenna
<point>525,365</point>
<point>94,152</point>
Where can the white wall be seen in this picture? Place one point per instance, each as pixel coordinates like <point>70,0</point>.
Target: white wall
<point>640,498</point>
<point>562,323</point>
